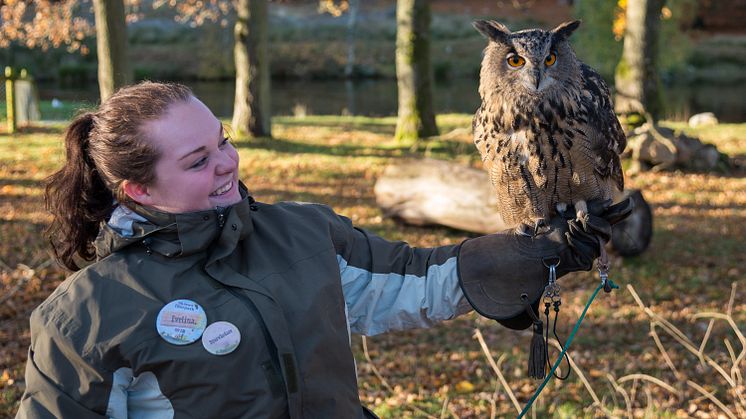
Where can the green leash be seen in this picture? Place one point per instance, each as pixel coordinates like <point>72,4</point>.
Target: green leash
<point>604,284</point>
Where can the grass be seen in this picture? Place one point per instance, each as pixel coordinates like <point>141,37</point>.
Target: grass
<point>695,255</point>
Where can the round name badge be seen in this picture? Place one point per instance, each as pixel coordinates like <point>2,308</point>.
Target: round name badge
<point>181,322</point>
<point>221,338</point>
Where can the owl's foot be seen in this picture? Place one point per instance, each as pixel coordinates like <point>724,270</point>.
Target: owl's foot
<point>581,212</point>
<point>532,229</point>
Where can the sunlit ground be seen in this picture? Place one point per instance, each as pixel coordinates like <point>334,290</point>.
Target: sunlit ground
<point>697,253</point>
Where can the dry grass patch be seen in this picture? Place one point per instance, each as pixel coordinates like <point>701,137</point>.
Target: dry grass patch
<point>695,256</point>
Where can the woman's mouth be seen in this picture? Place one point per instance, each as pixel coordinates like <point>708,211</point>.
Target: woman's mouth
<point>223,189</point>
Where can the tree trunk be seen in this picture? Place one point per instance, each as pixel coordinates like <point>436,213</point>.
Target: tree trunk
<point>637,87</point>
<point>111,46</point>
<point>251,110</point>
<point>413,70</point>
<point>351,37</point>
<point>437,192</point>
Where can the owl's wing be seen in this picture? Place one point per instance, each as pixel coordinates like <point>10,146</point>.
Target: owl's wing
<point>483,138</point>
<point>603,128</point>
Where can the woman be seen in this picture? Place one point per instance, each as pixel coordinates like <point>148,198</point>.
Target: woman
<point>205,303</point>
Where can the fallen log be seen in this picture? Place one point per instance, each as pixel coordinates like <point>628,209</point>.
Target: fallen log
<point>437,192</point>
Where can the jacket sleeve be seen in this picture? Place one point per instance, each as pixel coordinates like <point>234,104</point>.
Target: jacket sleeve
<point>60,383</point>
<point>393,286</point>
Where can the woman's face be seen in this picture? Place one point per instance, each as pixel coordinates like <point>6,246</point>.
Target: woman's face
<point>198,166</point>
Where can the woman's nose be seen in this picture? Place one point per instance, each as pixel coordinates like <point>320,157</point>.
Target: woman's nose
<point>228,161</point>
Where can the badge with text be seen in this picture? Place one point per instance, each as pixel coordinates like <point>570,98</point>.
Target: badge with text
<point>221,338</point>
<point>181,322</point>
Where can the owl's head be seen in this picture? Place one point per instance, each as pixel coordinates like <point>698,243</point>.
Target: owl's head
<point>530,63</point>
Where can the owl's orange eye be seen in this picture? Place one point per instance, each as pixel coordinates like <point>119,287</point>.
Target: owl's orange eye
<point>551,59</point>
<point>516,61</point>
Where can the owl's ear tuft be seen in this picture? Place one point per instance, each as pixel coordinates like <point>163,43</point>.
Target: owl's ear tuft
<point>566,29</point>
<point>492,30</point>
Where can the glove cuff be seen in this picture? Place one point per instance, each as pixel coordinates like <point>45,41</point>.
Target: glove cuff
<point>494,273</point>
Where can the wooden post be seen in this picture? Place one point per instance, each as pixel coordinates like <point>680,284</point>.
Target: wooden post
<point>10,100</point>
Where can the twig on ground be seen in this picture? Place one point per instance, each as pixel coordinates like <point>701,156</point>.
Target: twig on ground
<point>663,351</point>
<point>712,398</point>
<point>621,391</point>
<point>683,339</point>
<point>734,379</point>
<point>444,409</point>
<point>383,380</point>
<point>729,309</point>
<point>373,366</point>
<point>27,275</point>
<point>493,401</point>
<point>704,341</point>
<point>574,366</point>
<point>496,367</point>
<point>633,391</point>
<point>650,378</point>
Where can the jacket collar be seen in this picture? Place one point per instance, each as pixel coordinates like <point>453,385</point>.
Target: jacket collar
<point>179,234</point>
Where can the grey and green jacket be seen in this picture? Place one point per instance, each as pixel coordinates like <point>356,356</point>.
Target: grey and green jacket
<point>295,279</point>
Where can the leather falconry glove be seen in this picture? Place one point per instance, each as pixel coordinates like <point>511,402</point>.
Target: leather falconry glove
<point>497,269</point>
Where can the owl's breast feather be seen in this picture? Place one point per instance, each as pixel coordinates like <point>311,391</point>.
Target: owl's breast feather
<point>519,143</point>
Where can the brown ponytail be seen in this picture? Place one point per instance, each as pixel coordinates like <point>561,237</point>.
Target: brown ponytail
<point>103,149</point>
<point>77,197</point>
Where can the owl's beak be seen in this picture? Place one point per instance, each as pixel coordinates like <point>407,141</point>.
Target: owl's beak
<point>537,77</point>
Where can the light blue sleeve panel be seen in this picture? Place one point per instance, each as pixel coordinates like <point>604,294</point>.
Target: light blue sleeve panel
<point>392,286</point>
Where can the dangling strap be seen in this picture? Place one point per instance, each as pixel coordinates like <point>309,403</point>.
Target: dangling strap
<point>562,345</point>
<point>537,354</point>
<point>608,282</point>
<point>603,267</point>
<point>552,297</point>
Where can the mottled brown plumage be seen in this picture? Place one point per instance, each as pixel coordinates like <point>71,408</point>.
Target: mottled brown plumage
<point>546,128</point>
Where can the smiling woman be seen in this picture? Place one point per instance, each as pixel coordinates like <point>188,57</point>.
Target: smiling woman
<point>202,302</point>
<point>198,167</point>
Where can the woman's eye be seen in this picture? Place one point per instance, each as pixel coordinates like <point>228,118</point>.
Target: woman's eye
<point>516,61</point>
<point>199,163</point>
<point>551,59</point>
<point>225,141</point>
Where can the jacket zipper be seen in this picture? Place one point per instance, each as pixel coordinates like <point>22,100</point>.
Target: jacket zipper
<point>276,381</point>
<point>221,216</point>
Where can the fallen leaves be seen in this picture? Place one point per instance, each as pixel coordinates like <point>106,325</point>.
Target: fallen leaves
<point>696,253</point>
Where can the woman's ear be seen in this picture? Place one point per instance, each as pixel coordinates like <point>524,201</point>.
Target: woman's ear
<point>136,192</point>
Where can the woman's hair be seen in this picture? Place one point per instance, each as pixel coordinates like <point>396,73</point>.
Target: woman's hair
<point>103,149</point>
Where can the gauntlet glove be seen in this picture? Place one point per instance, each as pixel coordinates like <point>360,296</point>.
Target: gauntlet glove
<point>497,269</point>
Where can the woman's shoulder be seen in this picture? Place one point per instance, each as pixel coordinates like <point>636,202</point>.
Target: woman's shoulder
<point>297,208</point>
<point>84,294</point>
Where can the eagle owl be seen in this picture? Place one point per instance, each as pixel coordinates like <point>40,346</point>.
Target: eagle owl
<point>546,128</point>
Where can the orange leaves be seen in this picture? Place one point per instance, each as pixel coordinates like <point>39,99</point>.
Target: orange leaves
<point>334,7</point>
<point>197,12</point>
<point>44,24</point>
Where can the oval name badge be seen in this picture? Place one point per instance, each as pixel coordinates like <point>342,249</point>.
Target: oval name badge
<point>181,322</point>
<point>221,338</point>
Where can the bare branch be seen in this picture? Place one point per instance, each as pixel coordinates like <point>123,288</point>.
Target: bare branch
<point>496,368</point>
<point>663,351</point>
<point>712,398</point>
<point>621,391</point>
<point>652,379</point>
<point>704,341</point>
<point>383,380</point>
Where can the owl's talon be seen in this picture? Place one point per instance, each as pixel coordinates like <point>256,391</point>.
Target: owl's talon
<point>581,213</point>
<point>536,228</point>
<point>524,230</point>
<point>541,226</point>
